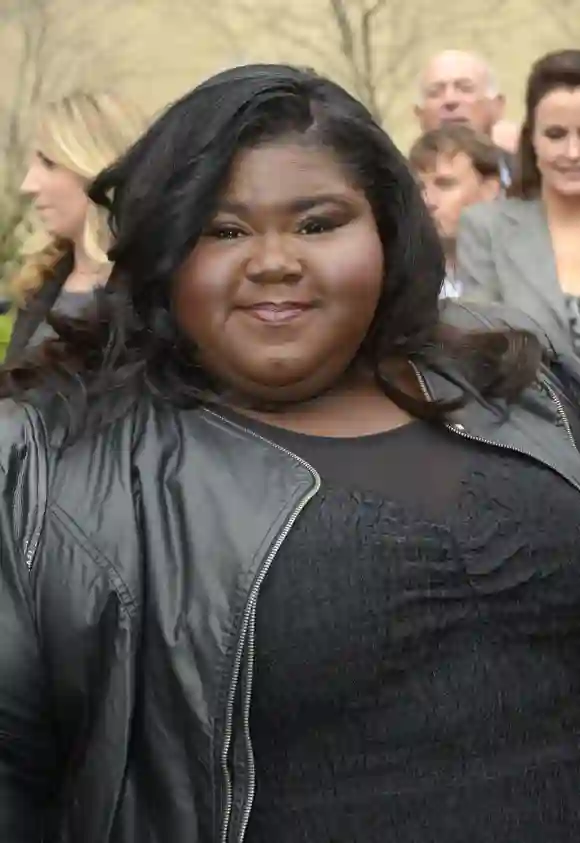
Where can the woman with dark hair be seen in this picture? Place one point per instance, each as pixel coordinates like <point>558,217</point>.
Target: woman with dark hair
<point>524,251</point>
<point>284,555</point>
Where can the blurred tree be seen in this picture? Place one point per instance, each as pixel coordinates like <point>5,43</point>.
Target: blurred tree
<point>374,47</point>
<point>566,14</point>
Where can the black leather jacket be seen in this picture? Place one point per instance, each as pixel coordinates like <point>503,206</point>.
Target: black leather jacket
<point>131,565</point>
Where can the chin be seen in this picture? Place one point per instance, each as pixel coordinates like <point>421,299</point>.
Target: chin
<point>570,190</point>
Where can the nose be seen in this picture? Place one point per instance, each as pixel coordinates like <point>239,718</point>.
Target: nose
<point>31,184</point>
<point>451,99</point>
<point>273,260</point>
<point>429,199</point>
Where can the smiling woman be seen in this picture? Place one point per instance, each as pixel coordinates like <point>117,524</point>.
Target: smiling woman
<point>524,251</point>
<point>286,555</point>
<point>307,243</point>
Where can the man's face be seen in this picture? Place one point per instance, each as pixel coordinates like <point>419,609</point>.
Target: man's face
<point>451,184</point>
<point>456,89</point>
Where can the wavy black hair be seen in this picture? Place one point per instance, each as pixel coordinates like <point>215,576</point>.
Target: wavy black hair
<point>161,194</point>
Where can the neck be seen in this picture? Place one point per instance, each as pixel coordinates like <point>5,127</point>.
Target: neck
<point>86,273</point>
<point>449,250</point>
<point>562,209</point>
<point>83,264</point>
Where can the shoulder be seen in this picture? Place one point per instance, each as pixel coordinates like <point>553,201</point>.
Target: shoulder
<point>489,213</point>
<point>20,431</point>
<point>470,316</point>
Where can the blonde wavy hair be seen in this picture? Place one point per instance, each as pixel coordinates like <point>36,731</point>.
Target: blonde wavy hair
<point>83,132</point>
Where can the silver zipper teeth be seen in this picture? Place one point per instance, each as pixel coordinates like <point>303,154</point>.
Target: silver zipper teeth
<point>561,410</point>
<point>460,431</point>
<point>253,602</point>
<point>247,622</point>
<point>30,548</point>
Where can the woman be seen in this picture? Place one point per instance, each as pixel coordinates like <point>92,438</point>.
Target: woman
<point>66,256</point>
<point>524,251</point>
<point>284,557</point>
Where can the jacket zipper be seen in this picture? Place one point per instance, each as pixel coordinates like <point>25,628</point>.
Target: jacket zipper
<point>459,429</point>
<point>30,544</point>
<point>249,620</point>
<point>30,547</point>
<point>561,412</point>
<point>247,633</point>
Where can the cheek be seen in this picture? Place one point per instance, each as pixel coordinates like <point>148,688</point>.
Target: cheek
<point>353,269</point>
<point>546,152</point>
<point>71,205</point>
<point>354,293</point>
<point>450,206</point>
<point>200,294</point>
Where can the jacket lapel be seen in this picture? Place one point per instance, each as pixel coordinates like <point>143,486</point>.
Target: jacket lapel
<point>527,247</point>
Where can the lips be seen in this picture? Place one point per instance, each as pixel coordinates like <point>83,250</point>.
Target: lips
<point>277,312</point>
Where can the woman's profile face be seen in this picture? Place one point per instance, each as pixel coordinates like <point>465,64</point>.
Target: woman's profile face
<point>556,140</point>
<point>58,196</point>
<point>283,285</point>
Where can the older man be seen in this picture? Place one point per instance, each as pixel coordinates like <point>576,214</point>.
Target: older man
<point>459,87</point>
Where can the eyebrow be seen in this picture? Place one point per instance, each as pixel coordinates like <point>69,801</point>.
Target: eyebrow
<point>296,206</point>
<point>459,80</point>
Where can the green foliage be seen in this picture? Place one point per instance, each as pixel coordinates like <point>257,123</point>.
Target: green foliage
<point>6,325</point>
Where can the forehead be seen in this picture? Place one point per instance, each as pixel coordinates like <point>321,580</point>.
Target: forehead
<point>277,173</point>
<point>457,164</point>
<point>560,106</point>
<point>451,67</point>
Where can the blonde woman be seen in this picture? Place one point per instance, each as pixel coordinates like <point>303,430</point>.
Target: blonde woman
<point>66,256</point>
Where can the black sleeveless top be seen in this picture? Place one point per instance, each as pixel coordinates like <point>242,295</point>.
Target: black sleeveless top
<point>417,670</point>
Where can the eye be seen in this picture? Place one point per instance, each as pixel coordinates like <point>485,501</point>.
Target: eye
<point>446,183</point>
<point>224,232</point>
<point>47,162</point>
<point>555,132</point>
<point>318,225</point>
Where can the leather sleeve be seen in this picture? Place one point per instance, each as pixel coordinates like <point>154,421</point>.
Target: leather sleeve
<point>27,748</point>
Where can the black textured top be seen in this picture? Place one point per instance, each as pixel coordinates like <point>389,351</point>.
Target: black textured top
<point>417,672</point>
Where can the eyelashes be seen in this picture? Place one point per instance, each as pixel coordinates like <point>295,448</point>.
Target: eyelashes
<point>310,226</point>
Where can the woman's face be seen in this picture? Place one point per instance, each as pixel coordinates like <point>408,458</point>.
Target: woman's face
<point>59,197</point>
<point>282,287</point>
<point>556,140</point>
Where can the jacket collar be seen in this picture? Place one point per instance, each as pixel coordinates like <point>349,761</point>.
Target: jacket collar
<point>534,426</point>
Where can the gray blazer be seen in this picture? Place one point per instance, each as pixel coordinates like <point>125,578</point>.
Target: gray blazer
<point>504,254</point>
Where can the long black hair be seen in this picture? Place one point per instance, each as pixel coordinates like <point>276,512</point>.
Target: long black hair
<point>161,194</point>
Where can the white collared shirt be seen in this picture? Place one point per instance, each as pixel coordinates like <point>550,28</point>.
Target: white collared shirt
<point>452,286</point>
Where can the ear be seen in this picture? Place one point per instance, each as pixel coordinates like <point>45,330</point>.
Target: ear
<point>490,189</point>
<point>418,112</point>
<point>499,107</point>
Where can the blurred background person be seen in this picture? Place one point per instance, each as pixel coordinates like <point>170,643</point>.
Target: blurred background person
<point>506,135</point>
<point>455,167</point>
<point>525,250</point>
<point>66,254</point>
<point>460,87</point>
